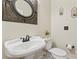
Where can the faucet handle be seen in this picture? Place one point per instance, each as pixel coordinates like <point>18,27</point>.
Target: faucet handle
<point>23,39</point>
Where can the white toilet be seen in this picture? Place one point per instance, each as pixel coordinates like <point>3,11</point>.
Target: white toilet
<point>54,53</point>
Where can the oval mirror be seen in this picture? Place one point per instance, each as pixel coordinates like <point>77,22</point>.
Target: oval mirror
<point>23,8</point>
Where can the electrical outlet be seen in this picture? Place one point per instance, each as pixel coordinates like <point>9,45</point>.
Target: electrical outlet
<point>66,28</point>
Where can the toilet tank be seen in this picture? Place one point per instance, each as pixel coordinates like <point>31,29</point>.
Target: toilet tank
<point>49,43</point>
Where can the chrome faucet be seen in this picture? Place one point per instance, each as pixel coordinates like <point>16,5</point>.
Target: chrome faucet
<point>25,39</point>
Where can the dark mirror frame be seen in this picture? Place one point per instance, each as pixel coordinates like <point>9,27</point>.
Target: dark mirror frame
<point>9,12</point>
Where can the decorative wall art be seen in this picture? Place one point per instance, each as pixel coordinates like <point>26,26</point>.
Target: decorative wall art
<point>61,11</point>
<point>74,12</point>
<point>23,11</point>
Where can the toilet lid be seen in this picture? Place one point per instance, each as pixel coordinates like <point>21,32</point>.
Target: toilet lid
<point>58,52</point>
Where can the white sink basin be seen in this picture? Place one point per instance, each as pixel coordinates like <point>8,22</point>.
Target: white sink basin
<point>17,48</point>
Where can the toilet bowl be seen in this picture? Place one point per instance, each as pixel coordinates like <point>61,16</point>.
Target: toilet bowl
<point>58,53</point>
<point>55,53</point>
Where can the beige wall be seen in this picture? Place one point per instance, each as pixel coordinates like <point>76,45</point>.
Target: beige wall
<point>61,37</point>
<point>11,30</point>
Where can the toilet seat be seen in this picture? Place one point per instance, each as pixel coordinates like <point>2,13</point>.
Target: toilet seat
<point>58,52</point>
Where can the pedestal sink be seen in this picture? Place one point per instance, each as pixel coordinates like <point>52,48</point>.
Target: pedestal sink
<point>17,48</point>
